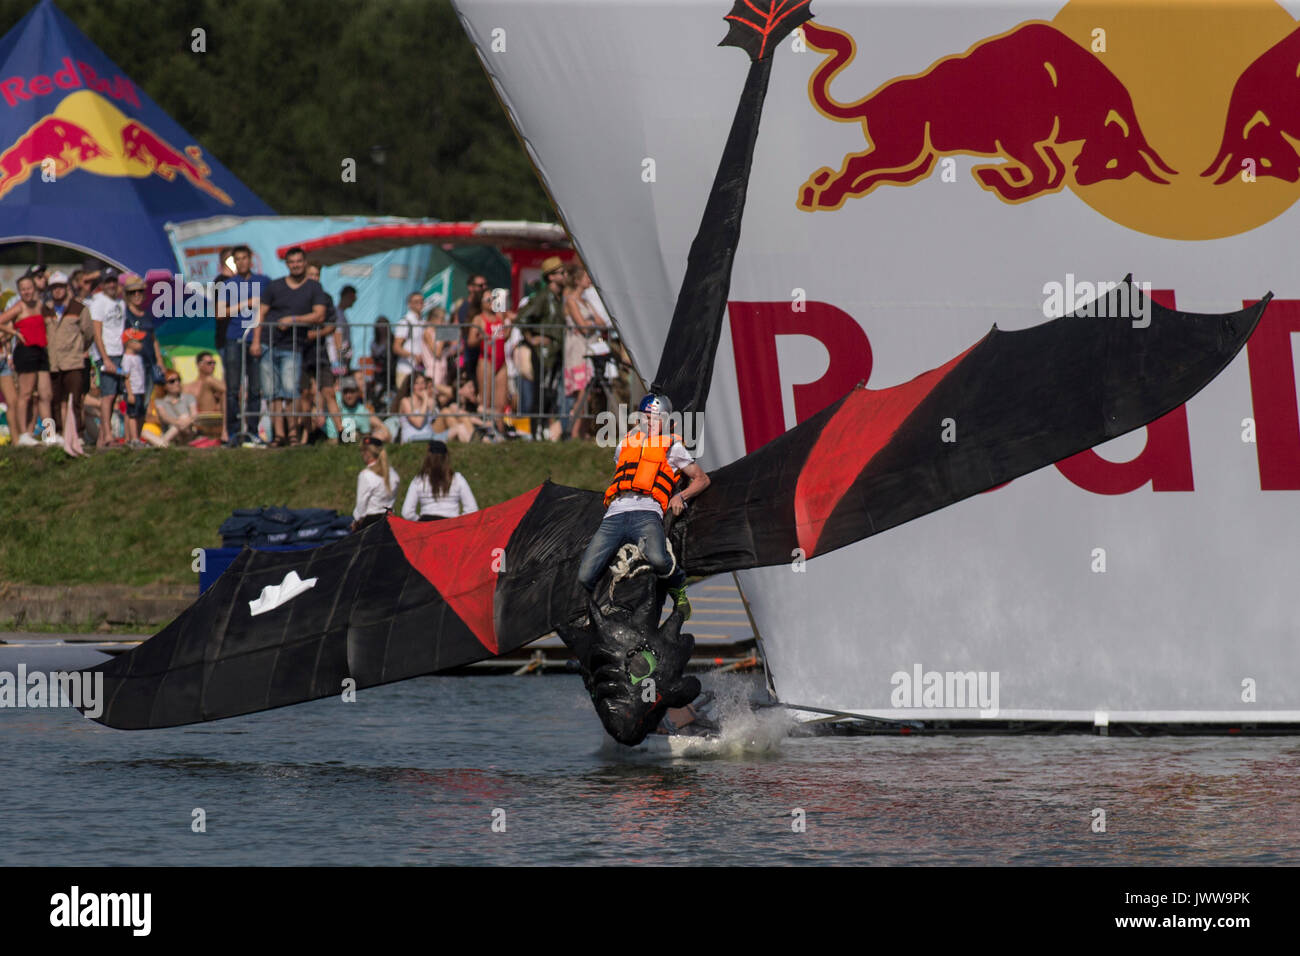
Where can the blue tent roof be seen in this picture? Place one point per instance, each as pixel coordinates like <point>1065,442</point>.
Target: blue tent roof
<point>87,160</point>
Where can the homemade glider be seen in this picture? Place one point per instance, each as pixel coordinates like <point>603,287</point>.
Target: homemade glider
<point>401,599</point>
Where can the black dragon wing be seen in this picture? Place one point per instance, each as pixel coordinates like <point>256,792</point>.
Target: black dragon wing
<point>395,600</point>
<point>1012,403</point>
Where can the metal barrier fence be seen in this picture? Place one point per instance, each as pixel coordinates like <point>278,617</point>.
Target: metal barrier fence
<point>515,374</point>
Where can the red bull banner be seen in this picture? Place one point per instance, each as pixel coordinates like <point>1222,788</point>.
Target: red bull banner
<point>88,160</point>
<point>922,172</point>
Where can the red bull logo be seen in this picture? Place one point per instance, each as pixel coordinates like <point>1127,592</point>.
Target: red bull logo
<point>1263,120</point>
<point>65,144</point>
<point>71,76</point>
<point>87,132</point>
<point>1131,108</point>
<point>141,145</point>
<point>1063,95</point>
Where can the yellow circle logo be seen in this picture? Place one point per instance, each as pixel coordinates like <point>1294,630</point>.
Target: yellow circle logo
<point>1216,91</point>
<point>1178,120</point>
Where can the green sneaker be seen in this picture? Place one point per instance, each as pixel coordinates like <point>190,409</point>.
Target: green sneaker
<point>683,605</point>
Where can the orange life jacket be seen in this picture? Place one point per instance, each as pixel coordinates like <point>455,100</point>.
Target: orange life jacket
<point>643,466</point>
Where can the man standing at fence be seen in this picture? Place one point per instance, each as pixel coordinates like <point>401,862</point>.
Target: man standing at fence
<point>544,308</point>
<point>239,300</point>
<point>108,313</point>
<point>291,305</point>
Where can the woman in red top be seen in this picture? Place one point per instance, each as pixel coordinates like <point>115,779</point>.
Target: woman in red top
<point>493,383</point>
<point>25,320</point>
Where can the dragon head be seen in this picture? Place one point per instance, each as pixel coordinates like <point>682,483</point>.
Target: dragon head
<point>632,665</point>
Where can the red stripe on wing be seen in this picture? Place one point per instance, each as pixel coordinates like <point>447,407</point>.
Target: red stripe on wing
<point>853,436</point>
<point>460,557</point>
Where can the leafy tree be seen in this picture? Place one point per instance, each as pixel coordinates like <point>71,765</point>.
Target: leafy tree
<point>287,89</point>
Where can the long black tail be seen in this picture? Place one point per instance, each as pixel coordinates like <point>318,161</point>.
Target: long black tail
<point>686,366</point>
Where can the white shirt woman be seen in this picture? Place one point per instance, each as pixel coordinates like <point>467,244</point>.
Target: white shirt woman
<point>421,501</point>
<point>373,496</point>
<point>376,483</point>
<point>437,491</point>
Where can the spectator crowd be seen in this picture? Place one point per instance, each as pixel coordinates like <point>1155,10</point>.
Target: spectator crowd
<point>80,363</point>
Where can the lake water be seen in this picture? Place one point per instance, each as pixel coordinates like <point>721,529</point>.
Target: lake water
<point>417,773</point>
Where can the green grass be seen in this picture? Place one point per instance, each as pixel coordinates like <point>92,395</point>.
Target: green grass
<point>133,517</point>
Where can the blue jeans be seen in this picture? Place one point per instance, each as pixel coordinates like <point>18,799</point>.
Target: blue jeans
<point>564,411</point>
<point>642,528</point>
<point>527,396</point>
<point>281,371</point>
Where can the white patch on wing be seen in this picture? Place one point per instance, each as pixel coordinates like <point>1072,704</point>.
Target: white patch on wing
<point>273,595</point>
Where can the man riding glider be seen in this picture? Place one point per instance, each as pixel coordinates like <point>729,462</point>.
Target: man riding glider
<point>649,461</point>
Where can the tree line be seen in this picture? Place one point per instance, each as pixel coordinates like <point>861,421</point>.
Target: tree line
<point>285,90</point>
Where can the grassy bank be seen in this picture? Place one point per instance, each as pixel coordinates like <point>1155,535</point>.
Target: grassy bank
<point>133,517</point>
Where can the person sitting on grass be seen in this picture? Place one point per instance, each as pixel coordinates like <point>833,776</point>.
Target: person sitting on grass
<point>209,393</point>
<point>456,422</point>
<point>177,411</point>
<point>437,492</point>
<point>418,409</point>
<point>307,421</point>
<point>357,418</point>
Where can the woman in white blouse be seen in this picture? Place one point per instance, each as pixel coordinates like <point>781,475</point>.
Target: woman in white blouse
<point>437,491</point>
<point>376,485</point>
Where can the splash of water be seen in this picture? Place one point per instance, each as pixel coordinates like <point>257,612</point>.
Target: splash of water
<point>743,730</point>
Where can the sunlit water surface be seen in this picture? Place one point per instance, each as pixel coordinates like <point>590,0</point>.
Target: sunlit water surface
<point>417,773</point>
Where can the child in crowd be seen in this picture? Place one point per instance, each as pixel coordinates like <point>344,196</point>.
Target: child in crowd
<point>133,374</point>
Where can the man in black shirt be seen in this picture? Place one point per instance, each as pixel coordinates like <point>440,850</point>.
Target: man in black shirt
<point>291,305</point>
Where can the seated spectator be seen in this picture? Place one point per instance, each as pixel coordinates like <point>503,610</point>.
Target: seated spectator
<point>353,409</point>
<point>307,418</point>
<point>210,395</point>
<point>418,410</point>
<point>437,492</point>
<point>376,485</point>
<point>90,413</point>
<point>177,411</point>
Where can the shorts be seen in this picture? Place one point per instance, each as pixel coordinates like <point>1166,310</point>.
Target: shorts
<point>325,378</point>
<point>281,371</point>
<point>31,358</point>
<point>5,367</point>
<point>136,408</point>
<point>111,384</point>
